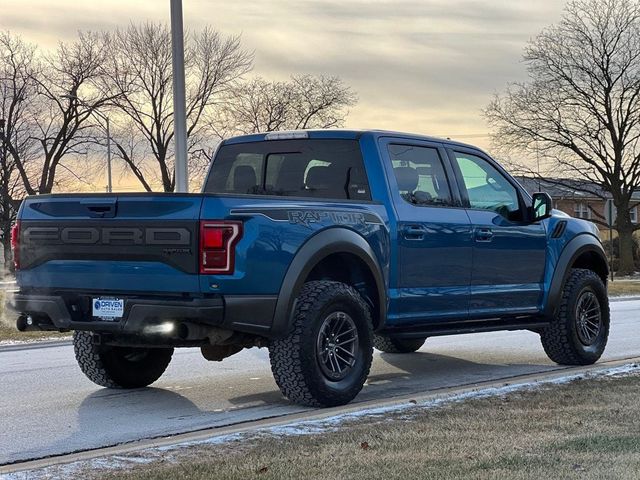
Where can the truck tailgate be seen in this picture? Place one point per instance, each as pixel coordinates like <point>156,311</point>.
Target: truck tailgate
<point>123,242</point>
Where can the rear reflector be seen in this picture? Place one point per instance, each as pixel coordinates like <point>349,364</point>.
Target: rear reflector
<point>217,246</point>
<point>15,244</point>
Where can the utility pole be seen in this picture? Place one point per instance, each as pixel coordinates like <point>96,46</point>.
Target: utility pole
<point>179,108</point>
<point>609,205</point>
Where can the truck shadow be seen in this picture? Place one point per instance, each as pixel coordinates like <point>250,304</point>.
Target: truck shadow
<point>271,397</point>
<point>109,417</point>
<point>402,374</point>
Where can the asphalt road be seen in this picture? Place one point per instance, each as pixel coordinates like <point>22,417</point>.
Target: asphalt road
<point>48,407</point>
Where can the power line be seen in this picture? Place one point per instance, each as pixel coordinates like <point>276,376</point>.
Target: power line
<point>467,135</point>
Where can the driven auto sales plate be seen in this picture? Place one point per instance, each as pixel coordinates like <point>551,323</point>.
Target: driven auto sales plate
<point>108,308</point>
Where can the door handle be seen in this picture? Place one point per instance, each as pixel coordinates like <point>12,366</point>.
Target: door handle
<point>484,235</point>
<point>414,232</point>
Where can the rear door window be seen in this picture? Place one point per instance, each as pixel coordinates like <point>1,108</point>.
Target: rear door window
<point>420,175</point>
<point>331,169</point>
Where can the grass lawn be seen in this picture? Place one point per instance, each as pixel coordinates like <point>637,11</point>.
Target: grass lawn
<point>586,429</point>
<point>623,287</point>
<point>9,332</point>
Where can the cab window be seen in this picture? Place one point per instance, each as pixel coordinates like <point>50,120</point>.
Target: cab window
<point>318,168</point>
<point>486,186</point>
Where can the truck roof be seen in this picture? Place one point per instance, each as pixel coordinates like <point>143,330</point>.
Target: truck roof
<point>347,134</point>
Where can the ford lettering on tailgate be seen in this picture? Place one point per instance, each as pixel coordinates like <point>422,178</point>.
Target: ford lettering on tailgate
<point>107,235</point>
<point>169,242</point>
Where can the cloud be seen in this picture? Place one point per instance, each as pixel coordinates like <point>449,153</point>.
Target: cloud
<point>419,65</point>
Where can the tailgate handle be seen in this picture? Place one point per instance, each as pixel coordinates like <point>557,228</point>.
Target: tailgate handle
<point>102,209</point>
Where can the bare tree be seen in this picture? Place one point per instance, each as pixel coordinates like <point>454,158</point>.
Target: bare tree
<point>302,102</point>
<point>60,113</point>
<point>580,107</point>
<point>133,150</point>
<point>139,74</point>
<point>17,91</point>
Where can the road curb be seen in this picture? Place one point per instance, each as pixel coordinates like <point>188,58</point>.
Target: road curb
<point>315,415</point>
<point>624,298</point>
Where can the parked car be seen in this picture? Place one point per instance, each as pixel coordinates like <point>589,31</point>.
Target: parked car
<point>319,245</point>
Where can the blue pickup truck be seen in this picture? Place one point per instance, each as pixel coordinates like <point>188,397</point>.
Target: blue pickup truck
<point>320,246</point>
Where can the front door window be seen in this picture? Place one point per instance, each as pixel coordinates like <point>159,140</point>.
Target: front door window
<point>487,188</point>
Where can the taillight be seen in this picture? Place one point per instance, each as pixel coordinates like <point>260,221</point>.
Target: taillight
<point>15,244</point>
<point>218,246</point>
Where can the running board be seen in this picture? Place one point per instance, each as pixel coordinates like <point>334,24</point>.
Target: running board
<point>459,328</point>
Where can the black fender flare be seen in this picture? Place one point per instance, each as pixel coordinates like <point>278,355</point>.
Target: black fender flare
<point>577,246</point>
<point>314,250</point>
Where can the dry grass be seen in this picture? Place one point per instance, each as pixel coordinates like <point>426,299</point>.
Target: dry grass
<point>589,429</point>
<point>623,287</point>
<point>9,332</point>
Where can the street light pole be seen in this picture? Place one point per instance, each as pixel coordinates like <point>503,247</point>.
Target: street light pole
<point>109,184</point>
<point>179,108</point>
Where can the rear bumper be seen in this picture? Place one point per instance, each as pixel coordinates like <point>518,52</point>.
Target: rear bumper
<point>247,314</point>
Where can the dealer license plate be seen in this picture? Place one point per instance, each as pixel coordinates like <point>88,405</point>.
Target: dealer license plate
<point>108,308</point>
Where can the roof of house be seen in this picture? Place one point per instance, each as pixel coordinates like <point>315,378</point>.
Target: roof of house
<point>564,188</point>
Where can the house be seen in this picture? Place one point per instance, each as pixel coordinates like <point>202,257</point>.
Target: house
<point>580,199</point>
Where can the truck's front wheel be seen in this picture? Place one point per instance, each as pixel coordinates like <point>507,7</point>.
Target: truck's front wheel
<point>119,367</point>
<point>326,356</point>
<point>578,333</point>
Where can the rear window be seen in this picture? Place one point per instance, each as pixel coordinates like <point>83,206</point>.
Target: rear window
<point>330,169</point>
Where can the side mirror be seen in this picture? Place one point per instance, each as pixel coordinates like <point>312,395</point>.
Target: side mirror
<point>542,206</point>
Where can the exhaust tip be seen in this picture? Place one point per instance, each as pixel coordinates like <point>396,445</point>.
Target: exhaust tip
<point>21,323</point>
<point>183,331</point>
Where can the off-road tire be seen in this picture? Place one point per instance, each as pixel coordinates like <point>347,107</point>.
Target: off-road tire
<point>560,338</point>
<point>119,367</point>
<point>294,358</point>
<point>397,345</point>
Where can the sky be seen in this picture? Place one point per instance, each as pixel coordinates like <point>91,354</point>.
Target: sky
<point>424,66</point>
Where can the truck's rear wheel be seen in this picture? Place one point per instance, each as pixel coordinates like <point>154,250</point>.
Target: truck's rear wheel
<point>578,333</point>
<point>326,356</point>
<point>397,345</point>
<point>119,367</point>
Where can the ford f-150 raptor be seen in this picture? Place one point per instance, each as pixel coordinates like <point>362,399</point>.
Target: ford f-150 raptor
<point>319,245</point>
